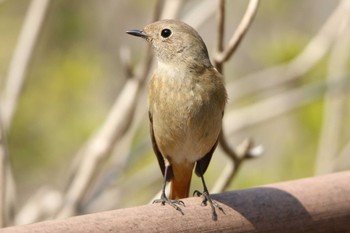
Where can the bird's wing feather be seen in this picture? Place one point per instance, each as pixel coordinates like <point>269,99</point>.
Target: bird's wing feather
<point>203,163</point>
<point>159,155</point>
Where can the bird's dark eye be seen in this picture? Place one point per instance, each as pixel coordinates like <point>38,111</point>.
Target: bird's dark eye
<point>165,33</point>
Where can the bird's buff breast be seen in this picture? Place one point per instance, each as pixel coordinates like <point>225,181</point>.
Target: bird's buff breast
<point>186,122</point>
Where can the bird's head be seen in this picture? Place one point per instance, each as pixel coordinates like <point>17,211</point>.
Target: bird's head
<point>174,42</point>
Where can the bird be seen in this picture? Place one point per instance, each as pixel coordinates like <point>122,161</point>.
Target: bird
<point>186,102</point>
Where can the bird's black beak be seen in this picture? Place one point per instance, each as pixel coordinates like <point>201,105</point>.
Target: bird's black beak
<point>138,33</point>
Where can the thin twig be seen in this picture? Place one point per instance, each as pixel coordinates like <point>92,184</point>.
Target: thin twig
<point>244,151</point>
<point>239,33</point>
<point>227,148</point>
<point>221,26</point>
<point>19,63</point>
<point>220,33</point>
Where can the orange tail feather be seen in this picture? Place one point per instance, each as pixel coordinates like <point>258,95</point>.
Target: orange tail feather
<point>181,182</point>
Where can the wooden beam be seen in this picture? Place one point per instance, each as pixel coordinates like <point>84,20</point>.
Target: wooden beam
<point>317,204</point>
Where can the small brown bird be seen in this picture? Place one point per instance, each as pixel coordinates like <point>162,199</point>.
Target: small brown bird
<point>186,102</point>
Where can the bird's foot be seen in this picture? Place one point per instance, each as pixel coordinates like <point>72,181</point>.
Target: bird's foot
<point>213,204</point>
<point>173,203</point>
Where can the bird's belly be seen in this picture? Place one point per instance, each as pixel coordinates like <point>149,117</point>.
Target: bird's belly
<point>186,132</point>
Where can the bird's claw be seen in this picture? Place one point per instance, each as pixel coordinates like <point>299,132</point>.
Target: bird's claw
<point>173,203</point>
<point>213,204</point>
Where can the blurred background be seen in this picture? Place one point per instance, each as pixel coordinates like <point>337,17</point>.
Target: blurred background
<point>75,71</point>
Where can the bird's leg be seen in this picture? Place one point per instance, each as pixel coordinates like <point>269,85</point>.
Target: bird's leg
<point>206,198</point>
<point>165,200</point>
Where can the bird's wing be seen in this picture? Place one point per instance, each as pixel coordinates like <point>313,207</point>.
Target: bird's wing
<point>203,163</point>
<point>159,155</point>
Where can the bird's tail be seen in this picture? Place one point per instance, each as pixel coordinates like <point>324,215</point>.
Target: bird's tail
<point>181,182</point>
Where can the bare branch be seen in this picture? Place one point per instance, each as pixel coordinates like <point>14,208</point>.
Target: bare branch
<point>21,57</point>
<point>242,152</point>
<point>334,108</point>
<point>41,206</point>
<point>239,33</point>
<point>97,149</point>
<point>7,184</point>
<point>277,105</point>
<point>342,161</point>
<point>268,109</point>
<point>221,26</point>
<point>309,57</point>
<point>158,9</point>
<point>284,102</point>
<point>9,99</point>
<point>3,183</point>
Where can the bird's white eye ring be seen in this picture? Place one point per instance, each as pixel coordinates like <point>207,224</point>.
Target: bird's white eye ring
<point>165,33</point>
